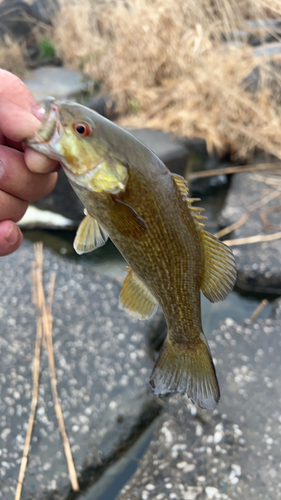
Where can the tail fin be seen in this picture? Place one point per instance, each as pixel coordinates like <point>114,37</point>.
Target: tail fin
<point>187,371</point>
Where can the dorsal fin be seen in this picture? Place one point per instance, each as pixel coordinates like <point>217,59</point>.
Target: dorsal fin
<point>90,235</point>
<point>219,268</point>
<point>135,298</point>
<point>182,186</point>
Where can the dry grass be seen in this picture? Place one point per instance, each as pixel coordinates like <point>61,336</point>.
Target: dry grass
<point>165,65</point>
<point>12,57</point>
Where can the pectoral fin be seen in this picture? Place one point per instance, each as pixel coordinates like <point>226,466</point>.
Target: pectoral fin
<point>219,268</point>
<point>90,235</point>
<point>136,299</point>
<point>126,220</point>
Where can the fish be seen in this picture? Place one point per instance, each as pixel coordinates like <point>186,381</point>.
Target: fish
<point>132,198</point>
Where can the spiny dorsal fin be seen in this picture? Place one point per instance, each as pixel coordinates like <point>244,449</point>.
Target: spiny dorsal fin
<point>90,235</point>
<point>136,299</point>
<point>182,186</point>
<point>219,268</point>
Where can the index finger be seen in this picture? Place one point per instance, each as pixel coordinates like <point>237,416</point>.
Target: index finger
<point>20,113</point>
<point>20,116</point>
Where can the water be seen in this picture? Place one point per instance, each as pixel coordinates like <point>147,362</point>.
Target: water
<point>108,261</point>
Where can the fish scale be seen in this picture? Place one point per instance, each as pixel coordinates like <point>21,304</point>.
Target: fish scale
<point>132,198</point>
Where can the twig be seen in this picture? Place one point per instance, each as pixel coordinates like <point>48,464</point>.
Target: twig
<point>258,238</point>
<point>259,309</point>
<point>232,170</point>
<point>44,332</point>
<point>36,374</point>
<point>246,215</point>
<point>47,322</point>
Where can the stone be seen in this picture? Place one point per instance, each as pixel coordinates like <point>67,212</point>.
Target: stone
<point>18,18</point>
<point>267,49</point>
<point>245,463</point>
<point>165,145</point>
<point>258,264</point>
<point>58,82</point>
<point>62,200</point>
<point>102,369</point>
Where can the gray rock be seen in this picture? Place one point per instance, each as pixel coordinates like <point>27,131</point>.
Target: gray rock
<point>267,49</point>
<point>17,18</point>
<point>234,452</point>
<point>62,200</point>
<point>258,264</point>
<point>102,371</point>
<point>45,10</point>
<point>57,82</point>
<point>165,145</point>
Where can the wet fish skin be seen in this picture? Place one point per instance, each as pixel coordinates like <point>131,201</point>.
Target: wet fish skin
<point>131,196</point>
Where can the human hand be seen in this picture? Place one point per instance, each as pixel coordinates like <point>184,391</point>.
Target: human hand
<point>20,182</point>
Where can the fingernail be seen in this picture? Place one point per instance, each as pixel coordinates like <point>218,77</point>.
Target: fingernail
<point>12,235</point>
<point>39,113</point>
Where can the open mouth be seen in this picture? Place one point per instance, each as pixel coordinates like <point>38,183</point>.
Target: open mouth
<point>48,134</point>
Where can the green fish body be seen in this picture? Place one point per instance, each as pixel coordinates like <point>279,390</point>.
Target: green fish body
<point>130,196</point>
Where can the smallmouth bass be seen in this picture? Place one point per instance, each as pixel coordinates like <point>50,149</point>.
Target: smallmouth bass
<point>130,196</point>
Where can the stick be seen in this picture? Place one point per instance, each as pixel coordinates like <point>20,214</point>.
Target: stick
<point>246,215</point>
<point>44,332</point>
<point>36,375</point>
<point>47,322</point>
<point>258,238</point>
<point>232,170</point>
<point>47,329</point>
<point>259,309</point>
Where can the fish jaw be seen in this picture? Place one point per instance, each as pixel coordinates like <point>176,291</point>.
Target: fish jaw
<point>47,136</point>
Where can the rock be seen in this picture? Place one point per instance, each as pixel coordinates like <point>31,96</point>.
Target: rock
<point>44,219</point>
<point>256,32</point>
<point>104,105</point>
<point>57,82</point>
<point>233,452</point>
<point>45,11</point>
<point>62,200</point>
<point>102,371</point>
<point>258,264</point>
<point>165,146</point>
<point>18,18</point>
<point>267,49</point>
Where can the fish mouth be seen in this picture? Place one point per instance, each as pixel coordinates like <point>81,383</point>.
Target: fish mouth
<point>49,132</point>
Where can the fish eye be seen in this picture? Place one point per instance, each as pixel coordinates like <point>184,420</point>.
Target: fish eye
<point>82,129</point>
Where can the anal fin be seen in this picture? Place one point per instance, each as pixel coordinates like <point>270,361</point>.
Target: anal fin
<point>187,371</point>
<point>136,299</point>
<point>90,235</point>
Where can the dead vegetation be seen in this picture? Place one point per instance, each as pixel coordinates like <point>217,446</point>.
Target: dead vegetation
<point>180,65</point>
<point>165,64</point>
<point>44,336</point>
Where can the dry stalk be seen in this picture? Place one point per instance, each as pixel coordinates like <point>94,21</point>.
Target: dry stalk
<point>36,298</point>
<point>259,309</point>
<point>44,332</point>
<point>257,238</point>
<point>246,215</point>
<point>232,170</point>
